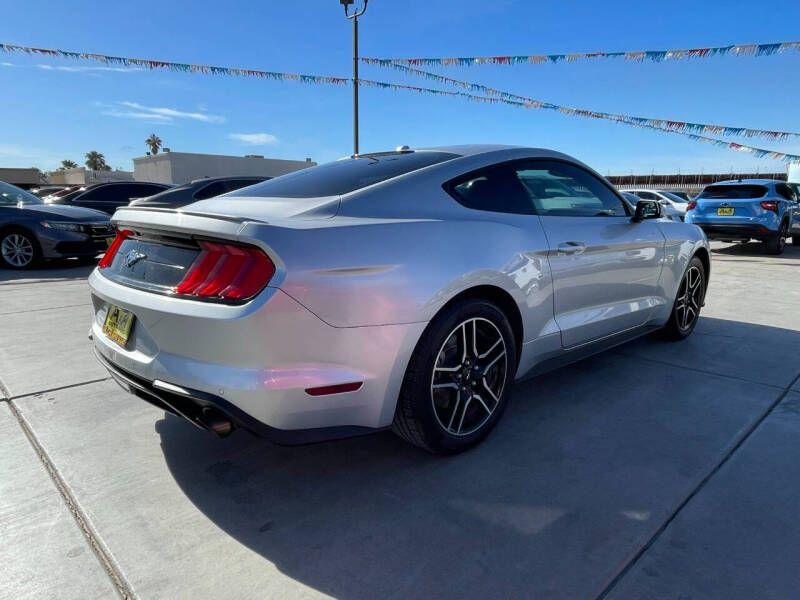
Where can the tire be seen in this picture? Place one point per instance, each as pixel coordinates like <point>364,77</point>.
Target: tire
<point>796,240</point>
<point>19,249</point>
<point>777,243</point>
<point>688,302</point>
<point>438,419</point>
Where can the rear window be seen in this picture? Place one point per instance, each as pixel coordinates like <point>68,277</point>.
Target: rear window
<point>734,192</point>
<point>675,197</point>
<point>343,176</point>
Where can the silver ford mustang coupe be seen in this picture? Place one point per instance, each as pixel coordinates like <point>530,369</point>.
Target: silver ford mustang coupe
<point>404,289</point>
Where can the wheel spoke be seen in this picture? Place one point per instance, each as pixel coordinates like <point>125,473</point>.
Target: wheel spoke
<point>490,350</point>
<point>491,393</point>
<point>494,360</point>
<point>464,414</point>
<point>483,404</point>
<point>455,409</point>
<point>475,338</point>
<point>439,386</point>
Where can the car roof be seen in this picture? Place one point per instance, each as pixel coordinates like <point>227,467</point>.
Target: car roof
<point>748,182</point>
<point>470,149</point>
<point>226,178</point>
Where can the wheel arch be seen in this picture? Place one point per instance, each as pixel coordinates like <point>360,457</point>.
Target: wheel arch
<point>19,227</point>
<point>705,258</point>
<point>10,227</point>
<point>502,299</point>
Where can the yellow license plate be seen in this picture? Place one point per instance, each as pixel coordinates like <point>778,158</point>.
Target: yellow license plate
<point>117,325</point>
<point>725,212</point>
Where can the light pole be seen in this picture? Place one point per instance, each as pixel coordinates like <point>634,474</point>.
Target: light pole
<point>354,18</point>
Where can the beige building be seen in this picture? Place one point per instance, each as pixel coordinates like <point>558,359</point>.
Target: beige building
<point>181,167</point>
<point>24,178</point>
<point>84,176</point>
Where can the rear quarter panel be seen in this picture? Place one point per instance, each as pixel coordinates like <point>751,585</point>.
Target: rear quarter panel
<point>357,272</point>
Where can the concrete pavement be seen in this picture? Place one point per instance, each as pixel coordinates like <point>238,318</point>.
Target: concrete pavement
<point>655,470</point>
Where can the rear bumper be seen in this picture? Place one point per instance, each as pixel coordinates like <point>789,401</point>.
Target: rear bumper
<point>208,411</point>
<point>721,231</point>
<point>254,362</point>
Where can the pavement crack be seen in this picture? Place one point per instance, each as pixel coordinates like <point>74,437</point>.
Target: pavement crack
<point>17,312</point>
<point>696,370</point>
<point>697,489</point>
<point>112,570</point>
<point>55,389</point>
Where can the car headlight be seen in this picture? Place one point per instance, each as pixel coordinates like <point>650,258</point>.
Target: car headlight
<point>62,225</point>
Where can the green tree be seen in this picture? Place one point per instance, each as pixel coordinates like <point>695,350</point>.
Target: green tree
<point>154,142</point>
<point>67,164</point>
<point>96,161</point>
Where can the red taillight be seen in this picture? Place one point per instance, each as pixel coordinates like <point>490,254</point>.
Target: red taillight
<point>108,257</point>
<point>690,205</point>
<point>770,205</point>
<point>226,271</point>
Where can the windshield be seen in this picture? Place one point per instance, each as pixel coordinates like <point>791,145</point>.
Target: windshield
<point>11,195</point>
<point>734,192</point>
<point>343,176</point>
<point>674,197</point>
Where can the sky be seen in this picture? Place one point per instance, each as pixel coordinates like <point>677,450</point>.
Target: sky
<point>54,109</point>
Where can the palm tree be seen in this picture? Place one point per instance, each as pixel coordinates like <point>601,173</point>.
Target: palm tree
<point>154,142</point>
<point>67,164</point>
<point>96,161</point>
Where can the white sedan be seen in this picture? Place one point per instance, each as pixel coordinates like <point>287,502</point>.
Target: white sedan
<point>665,198</point>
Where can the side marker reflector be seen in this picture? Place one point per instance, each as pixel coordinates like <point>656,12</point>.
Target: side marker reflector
<point>340,388</point>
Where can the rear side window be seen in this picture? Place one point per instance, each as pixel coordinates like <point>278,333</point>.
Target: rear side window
<point>785,191</point>
<point>496,189</point>
<point>211,190</point>
<point>343,176</point>
<point>734,192</point>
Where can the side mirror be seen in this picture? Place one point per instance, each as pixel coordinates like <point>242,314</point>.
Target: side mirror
<point>646,209</point>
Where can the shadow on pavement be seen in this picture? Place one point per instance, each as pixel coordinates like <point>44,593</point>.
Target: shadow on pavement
<point>586,464</point>
<point>755,249</point>
<point>56,270</point>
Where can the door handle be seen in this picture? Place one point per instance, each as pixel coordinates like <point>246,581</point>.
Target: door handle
<point>571,247</point>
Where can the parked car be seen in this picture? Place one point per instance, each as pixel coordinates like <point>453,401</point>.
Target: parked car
<point>31,230</point>
<point>685,195</point>
<point>50,197</point>
<point>42,191</point>
<point>677,203</point>
<point>741,210</point>
<point>199,189</point>
<point>107,197</point>
<point>404,289</point>
<point>667,209</point>
<point>795,188</point>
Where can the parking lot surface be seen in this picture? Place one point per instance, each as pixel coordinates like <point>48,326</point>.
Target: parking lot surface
<point>656,470</point>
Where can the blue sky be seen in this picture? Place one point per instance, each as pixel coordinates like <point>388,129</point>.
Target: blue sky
<point>54,109</point>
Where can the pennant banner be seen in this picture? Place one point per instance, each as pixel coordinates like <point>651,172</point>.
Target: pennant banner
<point>678,126</point>
<point>643,123</point>
<point>692,130</point>
<point>639,56</point>
<point>173,66</point>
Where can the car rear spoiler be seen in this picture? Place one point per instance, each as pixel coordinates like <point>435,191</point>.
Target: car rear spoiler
<point>181,222</point>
